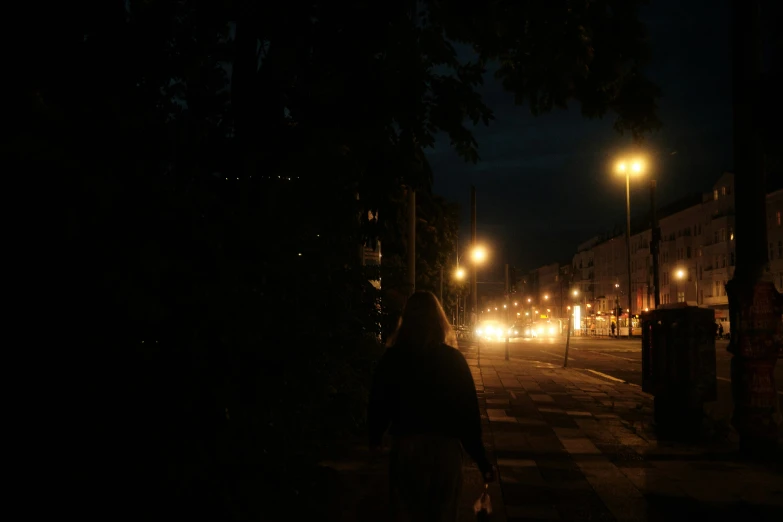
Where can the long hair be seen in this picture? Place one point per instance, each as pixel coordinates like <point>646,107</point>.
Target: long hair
<point>423,323</point>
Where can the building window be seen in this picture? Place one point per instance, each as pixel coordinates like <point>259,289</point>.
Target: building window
<point>715,194</point>
<point>680,297</point>
<point>723,235</point>
<point>771,252</point>
<point>777,217</point>
<point>690,277</point>
<point>780,249</point>
<point>688,252</point>
<point>715,237</point>
<point>731,259</point>
<point>723,191</point>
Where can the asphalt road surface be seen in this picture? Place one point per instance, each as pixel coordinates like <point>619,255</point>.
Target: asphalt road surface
<point>616,359</point>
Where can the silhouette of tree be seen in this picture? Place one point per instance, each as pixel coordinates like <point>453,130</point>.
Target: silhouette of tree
<point>196,149</point>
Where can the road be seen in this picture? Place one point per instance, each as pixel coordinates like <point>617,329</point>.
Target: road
<point>617,359</point>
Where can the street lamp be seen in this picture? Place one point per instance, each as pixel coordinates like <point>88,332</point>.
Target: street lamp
<point>479,254</point>
<point>628,167</point>
<point>679,275</point>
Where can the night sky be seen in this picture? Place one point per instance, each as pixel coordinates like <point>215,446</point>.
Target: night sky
<point>544,184</point>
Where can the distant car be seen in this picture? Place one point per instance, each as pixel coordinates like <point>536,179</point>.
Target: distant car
<point>546,330</point>
<point>516,331</point>
<point>491,331</point>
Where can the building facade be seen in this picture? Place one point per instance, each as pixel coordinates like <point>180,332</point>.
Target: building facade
<point>696,260</point>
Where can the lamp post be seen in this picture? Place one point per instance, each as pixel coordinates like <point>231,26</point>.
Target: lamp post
<point>679,275</point>
<point>478,255</point>
<point>459,275</point>
<point>628,168</point>
<point>576,295</point>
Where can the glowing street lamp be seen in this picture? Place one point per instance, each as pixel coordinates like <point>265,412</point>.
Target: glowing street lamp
<point>627,167</point>
<point>460,274</point>
<point>479,254</point>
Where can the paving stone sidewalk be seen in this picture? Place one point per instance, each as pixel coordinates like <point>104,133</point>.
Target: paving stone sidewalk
<point>571,446</point>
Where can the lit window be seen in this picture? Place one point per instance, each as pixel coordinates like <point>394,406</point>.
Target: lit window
<point>777,217</point>
<point>715,194</point>
<point>723,191</point>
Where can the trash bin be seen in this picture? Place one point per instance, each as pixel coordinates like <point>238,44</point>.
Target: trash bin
<point>678,363</point>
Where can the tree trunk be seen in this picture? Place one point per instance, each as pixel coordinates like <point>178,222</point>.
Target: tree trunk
<point>755,306</point>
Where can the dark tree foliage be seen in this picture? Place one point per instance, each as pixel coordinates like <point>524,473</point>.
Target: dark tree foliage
<point>209,166</point>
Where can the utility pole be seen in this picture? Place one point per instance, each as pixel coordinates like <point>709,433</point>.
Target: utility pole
<point>655,245</point>
<point>754,303</point>
<point>411,240</point>
<point>508,305</point>
<point>473,280</point>
<point>459,287</point>
<point>568,341</point>
<point>628,244</point>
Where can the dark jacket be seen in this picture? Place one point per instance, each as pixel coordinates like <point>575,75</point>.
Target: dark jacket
<point>426,391</point>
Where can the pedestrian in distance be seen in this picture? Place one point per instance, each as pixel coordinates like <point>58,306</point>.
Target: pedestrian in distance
<point>613,328</point>
<point>720,331</point>
<point>424,395</point>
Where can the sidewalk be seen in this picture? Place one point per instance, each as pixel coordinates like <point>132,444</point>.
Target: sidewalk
<point>571,446</point>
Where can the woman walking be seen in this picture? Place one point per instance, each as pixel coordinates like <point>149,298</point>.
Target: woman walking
<point>424,394</point>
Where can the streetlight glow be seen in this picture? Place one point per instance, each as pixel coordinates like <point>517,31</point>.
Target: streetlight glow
<point>546,296</point>
<point>576,292</point>
<point>635,166</point>
<point>479,254</point>
<point>680,274</point>
<point>460,273</point>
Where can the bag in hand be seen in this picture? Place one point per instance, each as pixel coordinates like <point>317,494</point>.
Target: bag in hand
<point>483,506</point>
